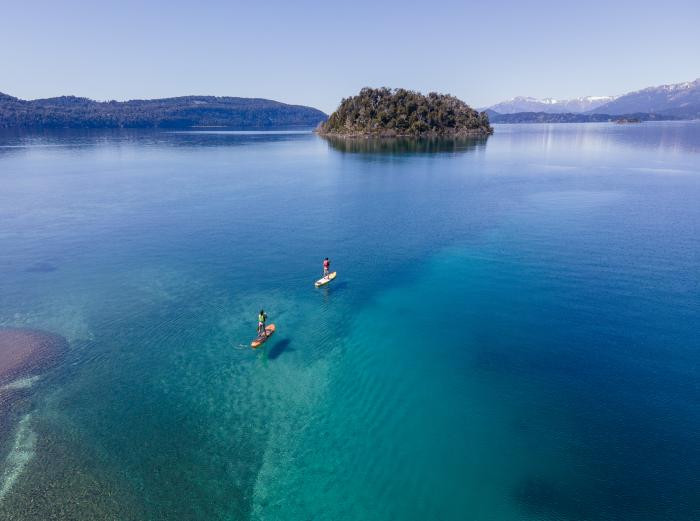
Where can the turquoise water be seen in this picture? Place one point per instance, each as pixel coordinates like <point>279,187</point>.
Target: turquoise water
<point>513,333</point>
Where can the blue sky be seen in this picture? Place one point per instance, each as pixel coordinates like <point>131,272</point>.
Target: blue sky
<point>314,53</point>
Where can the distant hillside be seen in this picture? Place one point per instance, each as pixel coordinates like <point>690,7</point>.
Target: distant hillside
<point>550,105</point>
<point>399,112</point>
<point>544,117</point>
<point>680,100</point>
<point>181,112</point>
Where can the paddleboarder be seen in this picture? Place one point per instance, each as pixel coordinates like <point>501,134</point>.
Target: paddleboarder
<point>262,318</point>
<point>326,267</point>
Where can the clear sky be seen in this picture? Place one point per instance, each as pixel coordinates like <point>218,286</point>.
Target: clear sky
<point>314,53</point>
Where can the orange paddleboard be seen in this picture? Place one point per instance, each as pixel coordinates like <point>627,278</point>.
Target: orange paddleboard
<point>261,339</point>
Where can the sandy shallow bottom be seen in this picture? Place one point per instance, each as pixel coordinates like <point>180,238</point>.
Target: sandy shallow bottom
<point>61,481</point>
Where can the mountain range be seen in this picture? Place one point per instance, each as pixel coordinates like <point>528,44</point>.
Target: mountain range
<point>550,105</point>
<point>678,99</point>
<point>674,101</point>
<point>180,112</point>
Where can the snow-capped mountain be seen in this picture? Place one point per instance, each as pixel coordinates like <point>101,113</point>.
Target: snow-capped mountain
<point>679,99</point>
<point>551,105</point>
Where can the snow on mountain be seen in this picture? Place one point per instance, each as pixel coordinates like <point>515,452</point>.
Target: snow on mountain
<point>551,105</point>
<point>681,99</point>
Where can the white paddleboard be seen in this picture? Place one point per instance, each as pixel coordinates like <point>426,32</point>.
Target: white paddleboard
<point>325,280</point>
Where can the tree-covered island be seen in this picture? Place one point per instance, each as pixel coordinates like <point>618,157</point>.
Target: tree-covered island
<point>399,112</point>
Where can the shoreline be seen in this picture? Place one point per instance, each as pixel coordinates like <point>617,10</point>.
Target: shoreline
<point>423,135</point>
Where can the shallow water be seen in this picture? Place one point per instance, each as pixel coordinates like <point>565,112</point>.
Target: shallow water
<point>513,333</point>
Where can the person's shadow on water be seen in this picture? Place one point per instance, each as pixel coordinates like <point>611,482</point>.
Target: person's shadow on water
<point>278,348</point>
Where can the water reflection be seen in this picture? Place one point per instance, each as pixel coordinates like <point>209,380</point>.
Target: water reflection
<point>14,141</point>
<point>599,137</point>
<point>402,146</point>
<point>565,139</point>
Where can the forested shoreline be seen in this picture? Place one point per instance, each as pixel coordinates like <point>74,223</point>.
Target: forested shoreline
<point>180,112</point>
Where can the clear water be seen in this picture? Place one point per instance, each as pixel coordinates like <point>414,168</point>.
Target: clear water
<point>513,334</point>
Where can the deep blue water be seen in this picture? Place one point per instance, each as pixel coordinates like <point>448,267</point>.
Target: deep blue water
<point>513,334</point>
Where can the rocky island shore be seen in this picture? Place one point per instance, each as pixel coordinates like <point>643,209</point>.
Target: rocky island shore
<point>403,113</point>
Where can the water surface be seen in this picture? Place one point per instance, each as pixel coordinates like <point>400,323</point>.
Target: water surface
<point>513,333</point>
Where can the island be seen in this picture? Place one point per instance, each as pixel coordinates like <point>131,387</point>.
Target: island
<point>623,121</point>
<point>388,112</point>
<point>179,112</point>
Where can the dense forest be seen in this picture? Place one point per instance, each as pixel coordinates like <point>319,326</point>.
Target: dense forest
<point>399,112</point>
<point>186,111</point>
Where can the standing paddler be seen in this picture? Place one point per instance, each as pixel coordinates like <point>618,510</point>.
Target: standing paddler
<point>262,318</point>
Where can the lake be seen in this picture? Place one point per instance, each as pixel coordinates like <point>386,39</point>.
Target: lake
<point>513,333</point>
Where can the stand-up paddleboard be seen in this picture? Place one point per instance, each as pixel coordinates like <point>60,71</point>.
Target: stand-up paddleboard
<point>325,280</point>
<point>261,339</point>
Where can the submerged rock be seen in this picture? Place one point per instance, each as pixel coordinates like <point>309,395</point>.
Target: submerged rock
<point>25,352</point>
<point>41,267</point>
<point>24,355</point>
